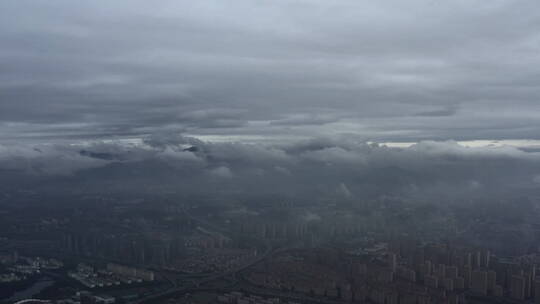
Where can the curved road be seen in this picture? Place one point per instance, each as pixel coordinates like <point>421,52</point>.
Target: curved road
<point>174,290</point>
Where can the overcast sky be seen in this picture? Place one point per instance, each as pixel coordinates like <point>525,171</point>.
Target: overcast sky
<point>399,71</point>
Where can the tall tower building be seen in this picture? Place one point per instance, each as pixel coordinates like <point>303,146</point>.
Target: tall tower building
<point>517,287</point>
<point>491,280</point>
<point>479,282</point>
<point>537,291</point>
<point>392,261</point>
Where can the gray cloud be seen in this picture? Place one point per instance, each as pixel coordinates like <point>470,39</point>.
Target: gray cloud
<point>449,111</point>
<point>384,71</point>
<point>305,119</point>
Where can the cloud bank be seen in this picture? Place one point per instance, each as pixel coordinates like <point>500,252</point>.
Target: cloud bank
<point>341,169</point>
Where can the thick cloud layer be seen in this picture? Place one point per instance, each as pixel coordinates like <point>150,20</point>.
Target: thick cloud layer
<point>384,70</point>
<point>337,168</point>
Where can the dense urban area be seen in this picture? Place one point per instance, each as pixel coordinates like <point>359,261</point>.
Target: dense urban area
<point>155,249</point>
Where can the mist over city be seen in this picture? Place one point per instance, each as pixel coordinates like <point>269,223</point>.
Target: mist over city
<point>269,152</point>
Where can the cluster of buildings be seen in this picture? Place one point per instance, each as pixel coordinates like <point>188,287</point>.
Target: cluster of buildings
<point>215,261</point>
<point>19,268</point>
<point>458,273</point>
<point>202,241</point>
<point>300,272</point>
<point>86,297</point>
<point>402,272</point>
<point>11,277</point>
<point>113,274</point>
<point>236,297</point>
<point>157,248</point>
<point>310,227</point>
<point>162,249</point>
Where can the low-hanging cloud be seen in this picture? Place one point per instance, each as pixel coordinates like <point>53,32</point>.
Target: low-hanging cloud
<point>344,169</point>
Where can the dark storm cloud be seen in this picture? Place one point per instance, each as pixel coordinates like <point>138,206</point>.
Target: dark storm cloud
<point>389,70</point>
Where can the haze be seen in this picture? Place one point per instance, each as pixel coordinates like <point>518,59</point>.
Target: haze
<point>306,151</point>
